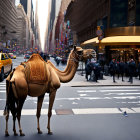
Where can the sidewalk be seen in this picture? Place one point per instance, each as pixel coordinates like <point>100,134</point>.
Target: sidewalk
<point>79,80</point>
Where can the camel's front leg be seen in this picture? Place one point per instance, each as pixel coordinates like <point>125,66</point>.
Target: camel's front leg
<point>39,105</point>
<point>19,108</point>
<point>51,101</point>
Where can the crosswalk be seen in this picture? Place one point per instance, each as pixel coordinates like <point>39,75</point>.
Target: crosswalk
<point>122,95</point>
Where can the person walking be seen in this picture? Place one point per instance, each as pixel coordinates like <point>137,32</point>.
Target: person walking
<point>112,69</point>
<point>96,69</point>
<point>88,70</point>
<point>118,69</point>
<point>132,70</point>
<point>122,68</point>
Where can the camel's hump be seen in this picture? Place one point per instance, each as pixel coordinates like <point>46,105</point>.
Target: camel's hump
<point>36,70</point>
<point>35,57</point>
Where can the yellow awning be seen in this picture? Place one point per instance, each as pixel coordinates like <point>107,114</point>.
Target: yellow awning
<point>114,40</point>
<point>90,41</point>
<point>121,40</point>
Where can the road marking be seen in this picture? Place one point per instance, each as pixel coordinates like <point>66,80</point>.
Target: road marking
<point>112,87</point>
<point>123,93</point>
<point>96,111</point>
<point>2,85</point>
<point>32,112</point>
<point>2,88</point>
<point>128,97</point>
<point>82,95</point>
<point>117,90</point>
<point>3,91</point>
<point>81,111</point>
<point>80,91</point>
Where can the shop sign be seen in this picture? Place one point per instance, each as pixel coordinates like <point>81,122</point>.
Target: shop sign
<point>99,32</point>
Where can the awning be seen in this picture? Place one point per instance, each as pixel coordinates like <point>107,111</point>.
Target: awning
<point>114,40</point>
<point>92,41</point>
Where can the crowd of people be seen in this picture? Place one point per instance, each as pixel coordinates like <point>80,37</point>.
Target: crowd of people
<point>93,70</point>
<point>116,69</point>
<point>121,68</point>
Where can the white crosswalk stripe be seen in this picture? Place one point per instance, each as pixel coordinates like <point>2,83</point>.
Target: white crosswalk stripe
<point>133,93</point>
<point>82,111</point>
<point>81,91</point>
<point>117,90</point>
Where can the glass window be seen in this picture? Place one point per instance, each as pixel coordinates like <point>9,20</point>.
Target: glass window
<point>2,57</point>
<point>118,13</point>
<point>6,56</point>
<point>137,12</point>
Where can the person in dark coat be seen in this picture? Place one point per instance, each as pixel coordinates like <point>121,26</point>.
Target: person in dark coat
<point>112,69</point>
<point>118,69</point>
<point>97,70</point>
<point>122,68</point>
<point>132,70</point>
<point>88,69</point>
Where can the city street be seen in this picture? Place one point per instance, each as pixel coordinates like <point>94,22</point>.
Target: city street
<point>80,113</point>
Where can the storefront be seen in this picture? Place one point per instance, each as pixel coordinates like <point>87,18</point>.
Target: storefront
<point>118,47</point>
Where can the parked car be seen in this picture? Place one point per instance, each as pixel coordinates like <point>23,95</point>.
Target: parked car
<point>26,56</point>
<point>6,65</point>
<point>12,56</point>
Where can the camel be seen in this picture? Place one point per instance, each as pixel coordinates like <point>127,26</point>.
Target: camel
<point>35,78</point>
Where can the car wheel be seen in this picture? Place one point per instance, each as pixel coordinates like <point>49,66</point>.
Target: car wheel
<point>2,75</point>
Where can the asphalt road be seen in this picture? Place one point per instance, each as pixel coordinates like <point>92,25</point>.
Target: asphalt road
<point>81,113</point>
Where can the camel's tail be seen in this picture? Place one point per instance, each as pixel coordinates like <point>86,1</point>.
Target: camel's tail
<point>10,98</point>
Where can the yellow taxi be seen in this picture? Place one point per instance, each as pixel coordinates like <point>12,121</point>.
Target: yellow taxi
<point>5,65</point>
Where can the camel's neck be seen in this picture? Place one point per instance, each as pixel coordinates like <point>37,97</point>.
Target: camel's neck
<point>70,70</point>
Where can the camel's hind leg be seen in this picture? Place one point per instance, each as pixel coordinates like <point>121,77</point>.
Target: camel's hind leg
<point>51,101</point>
<point>14,125</point>
<point>39,105</point>
<point>19,108</point>
<point>6,118</point>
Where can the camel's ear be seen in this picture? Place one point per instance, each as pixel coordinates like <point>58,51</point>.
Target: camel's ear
<point>74,47</point>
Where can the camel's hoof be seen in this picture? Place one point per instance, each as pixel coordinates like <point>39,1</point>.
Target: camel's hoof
<point>7,134</point>
<point>15,134</point>
<point>40,132</point>
<point>50,133</point>
<point>22,134</point>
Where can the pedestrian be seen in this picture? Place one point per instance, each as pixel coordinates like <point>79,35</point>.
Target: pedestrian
<point>57,61</point>
<point>112,69</point>
<point>132,70</point>
<point>122,68</point>
<point>118,69</point>
<point>88,70</point>
<point>96,70</point>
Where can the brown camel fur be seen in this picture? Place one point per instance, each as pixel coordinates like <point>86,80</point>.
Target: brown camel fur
<point>34,78</point>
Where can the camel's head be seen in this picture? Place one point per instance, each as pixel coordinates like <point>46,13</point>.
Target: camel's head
<point>78,51</point>
<point>84,54</point>
<point>88,54</point>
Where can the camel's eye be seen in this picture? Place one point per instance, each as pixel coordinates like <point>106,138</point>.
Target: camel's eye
<point>80,52</point>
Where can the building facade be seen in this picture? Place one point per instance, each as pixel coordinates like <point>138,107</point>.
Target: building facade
<point>28,8</point>
<point>8,24</point>
<point>61,30</point>
<point>22,23</point>
<point>114,17</point>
